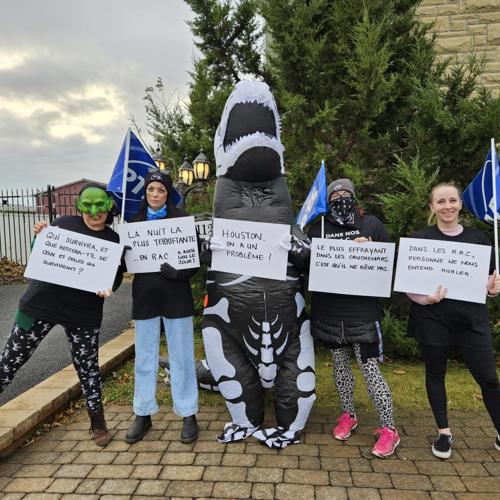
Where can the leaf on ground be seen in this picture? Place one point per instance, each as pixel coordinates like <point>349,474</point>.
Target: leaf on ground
<point>11,272</point>
<point>399,372</point>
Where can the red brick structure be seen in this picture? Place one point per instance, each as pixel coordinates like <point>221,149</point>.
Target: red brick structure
<point>63,198</point>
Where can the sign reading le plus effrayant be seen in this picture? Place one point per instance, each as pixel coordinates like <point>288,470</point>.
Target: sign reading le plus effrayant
<point>74,260</point>
<point>154,242</point>
<point>350,268</point>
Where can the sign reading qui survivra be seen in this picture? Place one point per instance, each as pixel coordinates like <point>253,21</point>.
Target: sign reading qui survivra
<point>74,260</point>
<point>346,267</point>
<point>462,268</point>
<point>252,248</point>
<point>154,242</point>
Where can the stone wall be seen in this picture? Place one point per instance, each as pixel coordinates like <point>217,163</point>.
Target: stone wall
<point>463,26</point>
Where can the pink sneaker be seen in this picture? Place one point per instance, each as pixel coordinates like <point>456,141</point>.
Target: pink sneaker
<point>346,424</point>
<point>387,442</point>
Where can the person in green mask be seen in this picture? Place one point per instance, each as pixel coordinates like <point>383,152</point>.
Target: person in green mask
<point>44,305</point>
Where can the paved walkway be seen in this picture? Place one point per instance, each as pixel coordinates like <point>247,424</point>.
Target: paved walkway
<point>64,463</point>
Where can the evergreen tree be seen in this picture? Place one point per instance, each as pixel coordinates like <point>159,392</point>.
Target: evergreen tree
<point>358,82</point>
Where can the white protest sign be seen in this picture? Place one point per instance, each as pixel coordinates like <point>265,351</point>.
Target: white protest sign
<point>462,268</point>
<point>154,242</point>
<point>349,268</point>
<point>74,260</point>
<point>252,248</point>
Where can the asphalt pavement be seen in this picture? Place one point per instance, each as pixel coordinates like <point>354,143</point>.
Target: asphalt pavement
<point>53,353</point>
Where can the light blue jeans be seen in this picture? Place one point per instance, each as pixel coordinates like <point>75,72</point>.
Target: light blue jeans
<point>179,333</point>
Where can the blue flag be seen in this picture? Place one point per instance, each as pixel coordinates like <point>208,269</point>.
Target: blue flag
<point>478,195</point>
<point>134,161</point>
<point>315,203</point>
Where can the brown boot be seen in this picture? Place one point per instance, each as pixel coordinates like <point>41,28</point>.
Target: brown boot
<point>98,427</point>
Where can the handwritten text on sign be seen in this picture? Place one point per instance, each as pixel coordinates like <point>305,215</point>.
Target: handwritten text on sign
<point>252,248</point>
<point>462,268</point>
<point>154,242</point>
<point>349,268</point>
<point>74,260</point>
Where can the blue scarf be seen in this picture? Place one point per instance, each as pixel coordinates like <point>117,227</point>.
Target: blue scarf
<point>160,214</point>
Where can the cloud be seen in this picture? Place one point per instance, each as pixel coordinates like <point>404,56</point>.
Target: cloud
<point>72,74</point>
<point>12,60</point>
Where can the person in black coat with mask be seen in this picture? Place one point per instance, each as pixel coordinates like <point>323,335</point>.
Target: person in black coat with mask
<point>342,322</point>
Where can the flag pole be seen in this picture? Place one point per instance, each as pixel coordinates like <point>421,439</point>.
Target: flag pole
<point>322,216</point>
<point>495,206</point>
<point>125,172</point>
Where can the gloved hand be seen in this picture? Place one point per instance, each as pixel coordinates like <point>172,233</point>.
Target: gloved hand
<point>215,244</point>
<point>169,272</point>
<point>300,253</point>
<point>286,242</point>
<point>125,249</point>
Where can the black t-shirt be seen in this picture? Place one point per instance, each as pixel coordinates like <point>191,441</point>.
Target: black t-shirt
<point>452,322</point>
<point>348,307</point>
<point>61,304</point>
<point>154,295</point>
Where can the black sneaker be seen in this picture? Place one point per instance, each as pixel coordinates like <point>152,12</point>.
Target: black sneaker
<point>497,442</point>
<point>442,446</point>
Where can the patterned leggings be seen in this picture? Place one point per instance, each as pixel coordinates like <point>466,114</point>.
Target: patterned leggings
<point>378,389</point>
<point>83,343</point>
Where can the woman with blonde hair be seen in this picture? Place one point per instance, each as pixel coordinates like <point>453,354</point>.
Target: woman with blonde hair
<point>439,323</point>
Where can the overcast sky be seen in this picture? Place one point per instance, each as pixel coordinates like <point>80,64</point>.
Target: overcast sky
<point>71,74</point>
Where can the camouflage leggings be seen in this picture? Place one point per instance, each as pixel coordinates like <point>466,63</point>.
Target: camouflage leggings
<point>83,343</point>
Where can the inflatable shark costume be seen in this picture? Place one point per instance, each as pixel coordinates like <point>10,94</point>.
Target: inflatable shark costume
<point>255,330</point>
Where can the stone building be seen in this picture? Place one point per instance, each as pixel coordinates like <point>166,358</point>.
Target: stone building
<point>465,26</point>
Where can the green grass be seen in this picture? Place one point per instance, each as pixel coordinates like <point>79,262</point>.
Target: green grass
<point>405,379</point>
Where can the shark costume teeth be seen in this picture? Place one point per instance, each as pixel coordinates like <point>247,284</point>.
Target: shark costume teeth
<point>236,149</point>
<point>248,98</point>
<point>255,330</point>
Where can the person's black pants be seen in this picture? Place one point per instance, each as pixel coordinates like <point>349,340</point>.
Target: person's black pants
<point>83,343</point>
<point>482,366</point>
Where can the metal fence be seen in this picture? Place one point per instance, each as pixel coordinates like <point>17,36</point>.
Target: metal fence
<point>21,208</point>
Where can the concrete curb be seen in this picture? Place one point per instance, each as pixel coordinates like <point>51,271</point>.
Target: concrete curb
<point>20,416</point>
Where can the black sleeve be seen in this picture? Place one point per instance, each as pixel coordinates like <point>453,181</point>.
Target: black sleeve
<point>122,268</point>
<point>315,230</point>
<point>380,232</point>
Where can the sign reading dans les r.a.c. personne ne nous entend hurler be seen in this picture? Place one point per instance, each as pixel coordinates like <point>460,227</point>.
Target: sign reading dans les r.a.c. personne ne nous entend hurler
<point>251,248</point>
<point>74,260</point>
<point>351,268</point>
<point>462,268</point>
<point>154,242</point>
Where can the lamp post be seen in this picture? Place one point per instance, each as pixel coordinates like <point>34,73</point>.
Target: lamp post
<point>188,173</point>
<point>160,162</point>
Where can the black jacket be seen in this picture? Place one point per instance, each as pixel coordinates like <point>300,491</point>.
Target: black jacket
<point>154,295</point>
<point>61,304</point>
<point>337,318</point>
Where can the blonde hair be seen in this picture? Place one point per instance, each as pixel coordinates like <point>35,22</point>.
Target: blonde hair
<point>432,219</point>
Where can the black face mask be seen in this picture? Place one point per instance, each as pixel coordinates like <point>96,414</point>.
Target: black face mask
<point>342,210</point>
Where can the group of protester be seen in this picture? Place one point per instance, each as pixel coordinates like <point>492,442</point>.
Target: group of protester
<point>341,322</point>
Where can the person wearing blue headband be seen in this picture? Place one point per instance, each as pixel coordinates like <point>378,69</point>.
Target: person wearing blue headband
<point>163,296</point>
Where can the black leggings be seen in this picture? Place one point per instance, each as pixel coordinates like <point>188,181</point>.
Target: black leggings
<point>83,343</point>
<point>482,366</point>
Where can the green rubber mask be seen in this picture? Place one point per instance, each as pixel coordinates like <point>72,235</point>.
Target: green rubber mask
<point>94,201</point>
